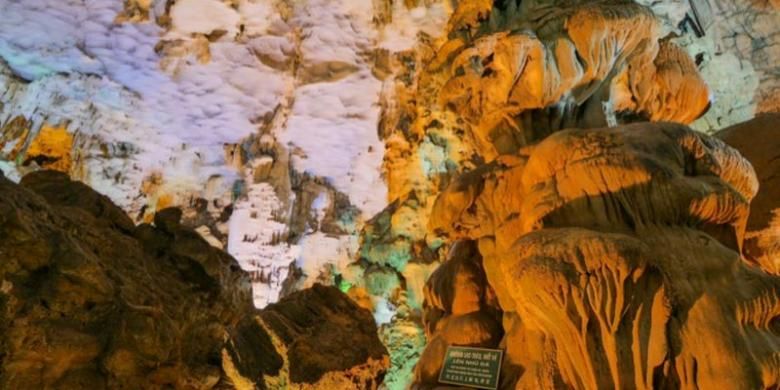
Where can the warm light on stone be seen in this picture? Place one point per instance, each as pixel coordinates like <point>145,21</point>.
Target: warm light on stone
<point>538,177</point>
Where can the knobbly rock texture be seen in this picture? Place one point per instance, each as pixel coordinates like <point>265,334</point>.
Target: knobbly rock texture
<point>507,75</point>
<point>562,60</point>
<point>89,300</point>
<point>460,308</point>
<point>759,141</point>
<point>614,258</point>
<point>256,118</point>
<point>309,139</point>
<point>311,329</point>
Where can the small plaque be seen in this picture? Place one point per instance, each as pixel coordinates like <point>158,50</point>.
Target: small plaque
<point>472,367</point>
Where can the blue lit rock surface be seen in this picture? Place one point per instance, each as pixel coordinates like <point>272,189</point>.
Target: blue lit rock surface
<point>90,301</point>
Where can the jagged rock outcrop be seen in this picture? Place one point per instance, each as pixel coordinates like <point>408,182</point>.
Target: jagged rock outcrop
<point>321,338</point>
<point>89,300</point>
<point>614,257</point>
<point>759,141</point>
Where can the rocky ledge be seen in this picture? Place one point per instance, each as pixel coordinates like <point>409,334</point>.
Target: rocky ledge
<point>89,300</point>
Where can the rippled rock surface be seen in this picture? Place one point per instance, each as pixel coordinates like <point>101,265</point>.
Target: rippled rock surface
<point>606,258</point>
<point>759,141</point>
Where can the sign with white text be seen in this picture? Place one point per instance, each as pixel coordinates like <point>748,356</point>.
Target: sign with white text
<point>472,367</point>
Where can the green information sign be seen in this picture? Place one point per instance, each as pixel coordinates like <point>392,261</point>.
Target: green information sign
<point>472,367</point>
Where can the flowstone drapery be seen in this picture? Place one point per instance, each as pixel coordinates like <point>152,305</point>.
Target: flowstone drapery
<point>507,74</point>
<point>607,258</point>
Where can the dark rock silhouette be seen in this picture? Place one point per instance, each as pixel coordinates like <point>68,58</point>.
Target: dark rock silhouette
<point>90,301</point>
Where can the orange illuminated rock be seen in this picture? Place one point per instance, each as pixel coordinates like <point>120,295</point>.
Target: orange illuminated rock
<point>134,11</point>
<point>759,141</point>
<point>470,13</point>
<point>477,131</point>
<point>52,148</point>
<point>600,57</point>
<point>460,309</point>
<point>674,92</point>
<point>613,255</point>
<point>49,147</point>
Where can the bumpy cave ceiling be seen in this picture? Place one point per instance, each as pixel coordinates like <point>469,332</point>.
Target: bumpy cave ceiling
<point>309,139</point>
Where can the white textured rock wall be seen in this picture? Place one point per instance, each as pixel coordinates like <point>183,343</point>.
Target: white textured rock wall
<point>738,55</point>
<point>177,109</point>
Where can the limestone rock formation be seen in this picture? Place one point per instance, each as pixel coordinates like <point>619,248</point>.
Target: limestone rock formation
<point>577,64</point>
<point>739,55</point>
<point>310,138</point>
<point>507,74</point>
<point>613,256</point>
<point>89,300</point>
<point>759,141</point>
<point>320,339</point>
<point>460,309</point>
<point>237,112</point>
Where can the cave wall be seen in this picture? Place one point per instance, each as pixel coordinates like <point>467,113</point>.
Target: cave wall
<point>89,300</point>
<point>309,138</point>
